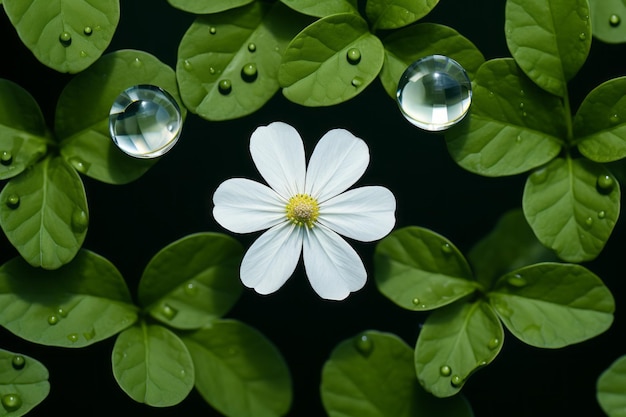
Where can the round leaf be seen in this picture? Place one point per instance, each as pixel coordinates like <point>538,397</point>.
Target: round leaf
<point>207,7</point>
<point>513,125</point>
<point>371,375</point>
<point>321,8</point>
<point>606,20</point>
<point>66,35</point>
<point>549,39</point>
<point>611,389</point>
<point>152,365</point>
<point>316,69</point>
<point>193,280</point>
<point>572,206</point>
<point>239,371</point>
<point>454,342</point>
<point>600,123</point>
<point>552,305</point>
<point>421,270</point>
<point>82,114</point>
<point>28,382</point>
<point>76,305</point>
<point>394,14</point>
<point>44,214</point>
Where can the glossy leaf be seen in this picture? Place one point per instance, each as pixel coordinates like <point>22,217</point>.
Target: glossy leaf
<point>76,305</point>
<point>23,378</point>
<point>372,375</point>
<point>454,342</point>
<point>600,123</point>
<point>82,114</point>
<point>66,35</point>
<point>549,39</point>
<point>238,371</point>
<point>513,125</point>
<point>207,7</point>
<point>23,132</point>
<point>572,206</point>
<point>321,8</point>
<point>220,48</point>
<point>611,389</point>
<point>421,270</point>
<point>407,45</point>
<point>316,69</point>
<point>152,365</point>
<point>44,214</point>
<point>552,305</point>
<point>193,280</point>
<point>394,14</point>
<point>510,245</point>
<point>607,20</point>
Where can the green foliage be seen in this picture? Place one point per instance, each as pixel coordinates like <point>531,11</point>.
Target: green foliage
<point>321,8</point>
<point>611,389</point>
<point>371,375</point>
<point>238,371</point>
<point>23,383</point>
<point>206,7</point>
<point>66,35</point>
<point>606,22</point>
<point>394,14</point>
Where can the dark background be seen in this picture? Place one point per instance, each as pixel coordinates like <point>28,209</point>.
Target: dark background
<point>130,223</point>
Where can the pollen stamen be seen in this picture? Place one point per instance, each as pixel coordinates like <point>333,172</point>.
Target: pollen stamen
<point>302,210</point>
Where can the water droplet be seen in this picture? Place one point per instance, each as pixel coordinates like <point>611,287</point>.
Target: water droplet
<point>522,93</point>
<point>212,70</point>
<point>434,93</point>
<point>191,289</point>
<point>80,221</point>
<point>72,337</point>
<point>187,65</point>
<point>539,176</point>
<point>357,82</point>
<point>53,319</point>
<point>13,201</point>
<point>168,311</point>
<point>456,381</point>
<point>588,222</point>
<point>83,54</point>
<point>62,312</point>
<point>145,121</point>
<point>78,164</point>
<point>416,301</point>
<point>493,343</point>
<point>518,139</point>
<point>18,362</point>
<point>445,370</point>
<point>88,30</point>
<point>90,334</point>
<point>363,344</point>
<point>249,72</point>
<point>6,157</point>
<point>447,248</point>
<point>212,30</point>
<point>11,402</point>
<point>225,87</point>
<point>517,281</point>
<point>614,118</point>
<point>65,38</point>
<point>601,214</point>
<point>137,63</point>
<point>605,183</point>
<point>582,36</point>
<point>614,20</point>
<point>521,105</point>
<point>353,56</point>
<point>524,114</point>
<point>251,47</point>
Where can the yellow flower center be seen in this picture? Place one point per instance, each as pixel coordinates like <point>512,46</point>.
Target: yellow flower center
<point>302,210</point>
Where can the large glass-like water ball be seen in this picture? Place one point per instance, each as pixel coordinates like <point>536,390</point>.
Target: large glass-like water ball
<point>145,121</point>
<point>434,93</point>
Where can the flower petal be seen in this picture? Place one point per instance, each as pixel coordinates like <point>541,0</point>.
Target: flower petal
<point>338,161</point>
<point>272,258</point>
<point>334,269</point>
<point>278,153</point>
<point>365,214</point>
<point>244,206</point>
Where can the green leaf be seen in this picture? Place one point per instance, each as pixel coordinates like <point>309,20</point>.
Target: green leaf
<point>394,14</point>
<point>513,125</point>
<point>23,130</point>
<point>330,61</point>
<point>23,383</point>
<point>238,371</point>
<point>44,214</point>
<point>606,20</point>
<point>600,125</point>
<point>549,39</point>
<point>420,270</point>
<point>372,375</point>
<point>207,7</point>
<point>611,389</point>
<point>217,49</point>
<point>152,365</point>
<point>510,245</point>
<point>43,24</point>
<point>552,305</point>
<point>82,114</point>
<point>193,280</point>
<point>572,206</point>
<point>454,342</point>
<point>321,8</point>
<point>76,305</point>
<point>407,45</point>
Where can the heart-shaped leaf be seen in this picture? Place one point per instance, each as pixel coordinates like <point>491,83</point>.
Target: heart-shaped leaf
<point>23,383</point>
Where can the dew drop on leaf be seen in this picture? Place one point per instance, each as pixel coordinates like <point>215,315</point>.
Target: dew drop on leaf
<point>72,337</point>
<point>145,121</point>
<point>445,370</point>
<point>53,319</point>
<point>18,362</point>
<point>11,402</point>
<point>614,118</point>
<point>456,381</point>
<point>13,201</point>
<point>90,334</point>
<point>493,343</point>
<point>434,93</point>
<point>357,82</point>
<point>582,36</point>
<point>187,65</point>
<point>6,158</point>
<point>446,248</point>
<point>136,63</point>
<point>88,30</point>
<point>78,164</point>
<point>65,38</point>
<point>605,183</point>
<point>62,312</point>
<point>252,47</point>
<point>225,87</point>
<point>83,54</point>
<point>168,311</point>
<point>353,56</point>
<point>588,222</point>
<point>80,221</point>
<point>614,20</point>
<point>601,214</point>
<point>539,176</point>
<point>517,281</point>
<point>212,70</point>
<point>416,301</point>
<point>249,72</point>
<point>191,289</point>
<point>363,344</point>
<point>212,30</point>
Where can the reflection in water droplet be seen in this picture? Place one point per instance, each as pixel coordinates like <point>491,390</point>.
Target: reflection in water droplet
<point>11,402</point>
<point>187,65</point>
<point>493,343</point>
<point>249,72</point>
<point>13,201</point>
<point>80,221</point>
<point>18,362</point>
<point>357,82</point>
<point>65,38</point>
<point>88,30</point>
<point>517,281</point>
<point>456,381</point>
<point>614,20</point>
<point>72,337</point>
<point>447,248</point>
<point>353,56</point>
<point>212,30</point>
<point>364,344</point>
<point>605,183</point>
<point>601,214</point>
<point>225,87</point>
<point>53,319</point>
<point>168,311</point>
<point>6,158</point>
<point>434,93</point>
<point>445,370</point>
<point>251,47</point>
<point>145,121</point>
<point>191,289</point>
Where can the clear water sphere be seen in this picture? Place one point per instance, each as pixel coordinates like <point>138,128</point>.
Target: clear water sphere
<point>434,93</point>
<point>145,121</point>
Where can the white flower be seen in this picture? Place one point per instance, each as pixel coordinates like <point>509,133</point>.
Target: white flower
<point>304,210</point>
